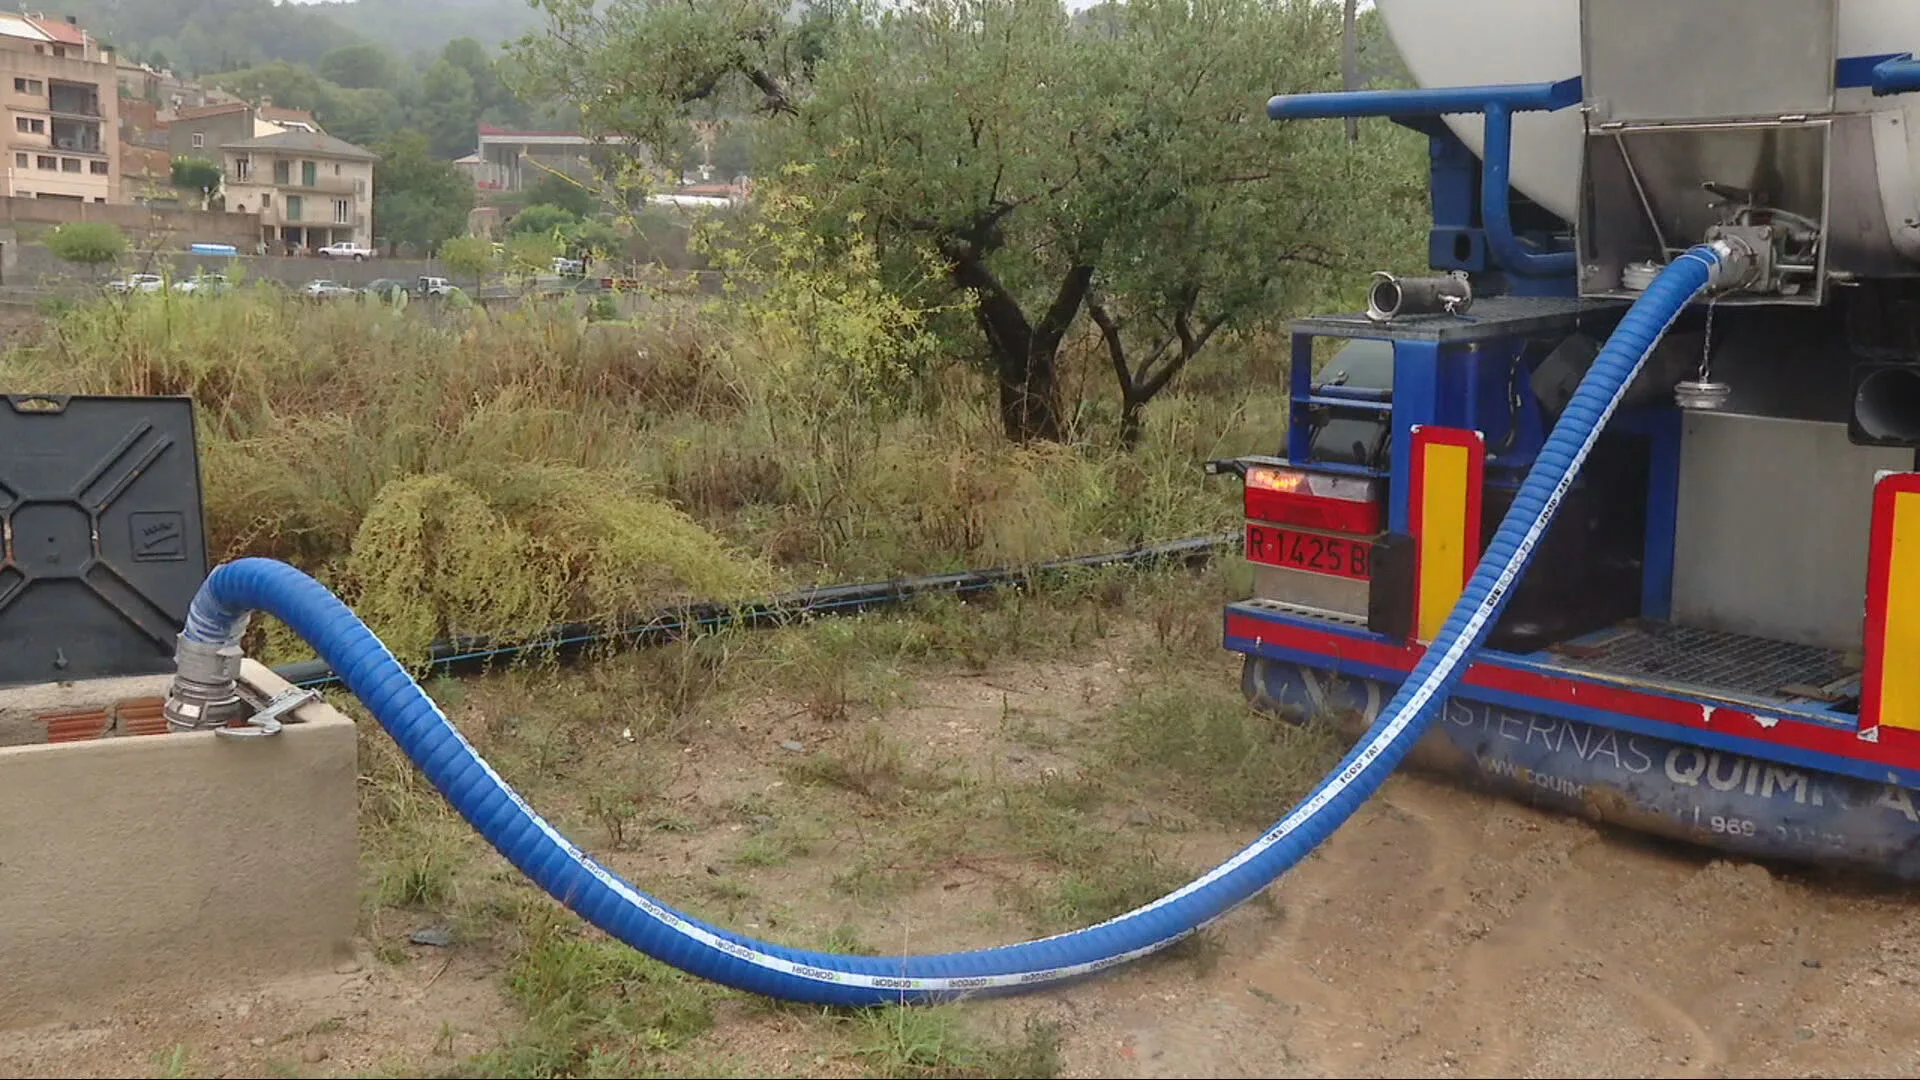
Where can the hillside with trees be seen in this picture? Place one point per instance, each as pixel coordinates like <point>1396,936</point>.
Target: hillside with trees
<point>426,26</point>
<point>199,37</point>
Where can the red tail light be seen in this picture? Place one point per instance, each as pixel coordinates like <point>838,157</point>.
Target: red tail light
<point>1341,504</point>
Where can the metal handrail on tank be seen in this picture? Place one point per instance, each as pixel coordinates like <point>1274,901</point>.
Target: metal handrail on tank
<point>1496,105</point>
<point>1886,74</point>
<point>1896,74</point>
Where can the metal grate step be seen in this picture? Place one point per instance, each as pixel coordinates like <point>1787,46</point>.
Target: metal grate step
<point>1683,656</point>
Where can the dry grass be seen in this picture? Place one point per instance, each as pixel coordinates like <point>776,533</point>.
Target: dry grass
<point>490,472</point>
<point>462,472</point>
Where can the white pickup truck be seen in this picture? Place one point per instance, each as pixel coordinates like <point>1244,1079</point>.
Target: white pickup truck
<point>346,251</point>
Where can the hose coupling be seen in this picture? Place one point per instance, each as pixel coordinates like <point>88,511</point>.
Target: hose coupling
<point>1390,296</point>
<point>205,693</point>
<point>1738,265</point>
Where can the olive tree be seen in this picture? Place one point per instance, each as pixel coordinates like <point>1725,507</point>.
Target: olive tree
<point>1046,162</point>
<point>1217,217</point>
<point>95,245</point>
<point>471,257</point>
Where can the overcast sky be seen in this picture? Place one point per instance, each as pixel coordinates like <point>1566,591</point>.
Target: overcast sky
<point>1072,5</point>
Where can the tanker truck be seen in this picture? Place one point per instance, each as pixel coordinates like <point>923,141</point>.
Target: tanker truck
<point>1717,638</point>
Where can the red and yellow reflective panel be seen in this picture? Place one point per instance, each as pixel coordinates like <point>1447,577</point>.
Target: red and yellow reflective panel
<point>1890,678</point>
<point>1449,471</point>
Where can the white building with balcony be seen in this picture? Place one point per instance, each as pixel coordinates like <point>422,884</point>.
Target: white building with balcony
<point>310,189</point>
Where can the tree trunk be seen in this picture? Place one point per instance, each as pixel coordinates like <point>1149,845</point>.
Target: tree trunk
<point>1030,398</point>
<point>1133,419</point>
<point>1025,355</point>
<point>1139,385</point>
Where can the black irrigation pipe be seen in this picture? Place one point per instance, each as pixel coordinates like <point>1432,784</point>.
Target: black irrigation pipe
<point>467,654</point>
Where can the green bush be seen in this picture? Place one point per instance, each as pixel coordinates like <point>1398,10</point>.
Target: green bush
<point>92,244</point>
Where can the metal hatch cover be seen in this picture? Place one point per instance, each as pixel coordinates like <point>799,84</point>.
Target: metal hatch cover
<point>1661,61</point>
<point>101,539</point>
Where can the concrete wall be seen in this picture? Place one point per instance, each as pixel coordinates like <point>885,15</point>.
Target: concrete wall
<point>33,265</point>
<point>133,868</point>
<point>144,227</point>
<point>299,270</point>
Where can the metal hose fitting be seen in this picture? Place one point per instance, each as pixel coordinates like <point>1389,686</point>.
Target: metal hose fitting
<point>205,693</point>
<point>1739,264</point>
<point>1392,296</point>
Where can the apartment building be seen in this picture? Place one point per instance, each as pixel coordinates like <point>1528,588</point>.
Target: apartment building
<point>203,131</point>
<point>512,160</point>
<point>61,97</point>
<point>310,189</point>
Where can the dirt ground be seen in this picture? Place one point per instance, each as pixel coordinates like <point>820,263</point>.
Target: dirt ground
<point>1439,933</point>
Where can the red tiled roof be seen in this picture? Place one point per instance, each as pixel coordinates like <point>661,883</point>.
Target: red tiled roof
<point>278,114</point>
<point>58,29</point>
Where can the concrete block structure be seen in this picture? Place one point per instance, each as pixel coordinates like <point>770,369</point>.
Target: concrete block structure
<point>137,863</point>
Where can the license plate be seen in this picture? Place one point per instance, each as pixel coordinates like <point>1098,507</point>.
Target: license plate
<point>1316,553</point>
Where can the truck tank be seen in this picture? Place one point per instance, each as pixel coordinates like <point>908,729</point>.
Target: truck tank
<point>1736,569</point>
<point>1874,189</point>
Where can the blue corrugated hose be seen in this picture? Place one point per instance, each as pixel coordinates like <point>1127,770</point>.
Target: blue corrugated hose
<point>574,878</point>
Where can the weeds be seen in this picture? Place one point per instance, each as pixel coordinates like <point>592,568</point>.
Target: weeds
<point>492,473</point>
<point>172,1062</point>
<point>616,800</point>
<point>1085,897</point>
<point>1198,742</point>
<point>596,1008</point>
<point>936,1042</point>
<point>870,764</point>
<point>496,471</point>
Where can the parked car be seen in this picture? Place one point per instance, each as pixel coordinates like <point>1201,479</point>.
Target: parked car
<point>133,283</point>
<point>421,288</point>
<point>347,251</point>
<point>322,289</point>
<point>383,288</point>
<point>203,285</point>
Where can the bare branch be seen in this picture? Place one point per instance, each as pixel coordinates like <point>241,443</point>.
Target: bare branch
<point>1311,254</point>
<point>1116,349</point>
<point>776,102</point>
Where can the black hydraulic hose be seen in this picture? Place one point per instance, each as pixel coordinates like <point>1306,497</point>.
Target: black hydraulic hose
<point>470,653</point>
